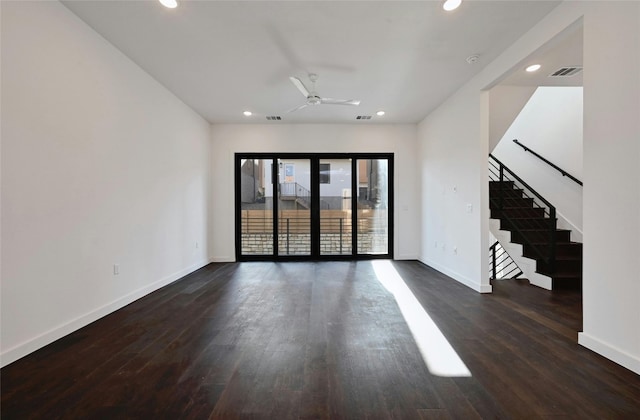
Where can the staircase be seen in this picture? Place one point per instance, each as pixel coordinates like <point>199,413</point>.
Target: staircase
<point>295,192</point>
<point>531,221</point>
<point>292,191</point>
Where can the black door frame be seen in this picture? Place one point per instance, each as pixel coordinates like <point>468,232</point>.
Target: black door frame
<point>314,159</point>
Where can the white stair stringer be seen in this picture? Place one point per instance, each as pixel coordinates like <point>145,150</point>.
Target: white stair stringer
<point>527,265</point>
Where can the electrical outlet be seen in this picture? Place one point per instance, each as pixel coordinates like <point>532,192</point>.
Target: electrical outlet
<point>116,269</point>
<point>469,208</point>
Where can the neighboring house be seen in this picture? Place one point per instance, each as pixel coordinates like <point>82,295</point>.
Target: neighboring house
<point>103,166</point>
<point>294,181</point>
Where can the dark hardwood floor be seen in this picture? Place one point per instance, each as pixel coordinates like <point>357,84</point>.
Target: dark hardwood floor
<point>321,340</point>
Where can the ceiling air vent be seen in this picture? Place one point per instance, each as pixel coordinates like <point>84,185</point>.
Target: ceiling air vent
<point>566,71</point>
<point>274,117</point>
<point>363,117</point>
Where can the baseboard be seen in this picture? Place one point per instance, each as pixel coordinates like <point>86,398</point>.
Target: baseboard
<point>23,349</point>
<point>222,259</point>
<point>411,257</point>
<point>564,223</point>
<point>612,353</point>
<point>480,288</point>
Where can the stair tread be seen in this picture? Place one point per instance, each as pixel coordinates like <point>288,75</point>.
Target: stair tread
<point>568,258</point>
<point>566,272</point>
<point>519,208</point>
<point>557,243</point>
<point>543,230</point>
<point>564,275</point>
<point>530,218</point>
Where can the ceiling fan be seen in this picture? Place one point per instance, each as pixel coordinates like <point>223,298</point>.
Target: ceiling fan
<point>313,98</point>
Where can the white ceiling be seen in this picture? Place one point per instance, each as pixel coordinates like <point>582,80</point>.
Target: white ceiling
<point>224,57</point>
<point>565,50</point>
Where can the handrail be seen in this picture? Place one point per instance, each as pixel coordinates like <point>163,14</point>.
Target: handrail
<point>502,165</point>
<point>299,192</point>
<point>562,171</point>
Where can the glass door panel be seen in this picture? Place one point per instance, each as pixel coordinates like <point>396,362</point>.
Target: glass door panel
<point>294,206</point>
<point>300,206</point>
<point>335,207</point>
<point>373,206</point>
<point>256,207</point>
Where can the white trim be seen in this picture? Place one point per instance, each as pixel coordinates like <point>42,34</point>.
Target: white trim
<point>478,287</point>
<point>622,358</point>
<point>29,346</point>
<point>564,223</point>
<point>406,257</point>
<point>222,259</point>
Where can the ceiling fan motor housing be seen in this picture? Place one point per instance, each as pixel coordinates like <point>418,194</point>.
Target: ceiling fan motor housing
<point>312,97</point>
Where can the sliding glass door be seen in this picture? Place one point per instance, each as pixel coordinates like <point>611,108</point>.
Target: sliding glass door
<point>313,206</point>
<point>294,206</point>
<point>255,204</point>
<point>336,207</point>
<point>373,206</point>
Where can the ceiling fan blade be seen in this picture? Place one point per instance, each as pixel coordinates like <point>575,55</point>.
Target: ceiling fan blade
<point>297,108</point>
<point>301,87</point>
<point>331,101</point>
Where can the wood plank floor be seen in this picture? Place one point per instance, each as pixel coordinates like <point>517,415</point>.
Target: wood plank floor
<point>321,340</point>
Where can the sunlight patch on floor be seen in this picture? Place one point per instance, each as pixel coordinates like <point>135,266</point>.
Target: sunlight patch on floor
<point>439,356</point>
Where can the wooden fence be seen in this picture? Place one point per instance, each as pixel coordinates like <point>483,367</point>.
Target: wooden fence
<point>299,221</point>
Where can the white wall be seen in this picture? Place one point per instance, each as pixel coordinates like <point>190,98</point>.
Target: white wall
<point>457,133</point>
<point>505,103</point>
<point>301,172</point>
<point>611,324</point>
<point>228,139</point>
<point>453,166</point>
<point>551,125</point>
<point>101,165</point>
<point>339,180</point>
<point>340,175</point>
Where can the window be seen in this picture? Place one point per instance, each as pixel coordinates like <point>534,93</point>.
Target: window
<point>325,173</point>
<point>297,206</point>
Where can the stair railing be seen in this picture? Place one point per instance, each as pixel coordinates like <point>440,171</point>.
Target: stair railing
<point>501,264</point>
<point>562,171</point>
<point>502,174</point>
<point>303,195</point>
<point>295,191</point>
<point>287,189</point>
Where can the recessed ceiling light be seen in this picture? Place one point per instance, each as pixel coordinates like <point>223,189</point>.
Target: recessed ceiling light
<point>247,113</point>
<point>380,113</point>
<point>171,4</point>
<point>450,5</point>
<point>533,67</point>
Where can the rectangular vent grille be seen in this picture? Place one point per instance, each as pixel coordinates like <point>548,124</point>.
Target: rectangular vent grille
<point>363,117</point>
<point>566,72</point>
<point>274,117</point>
